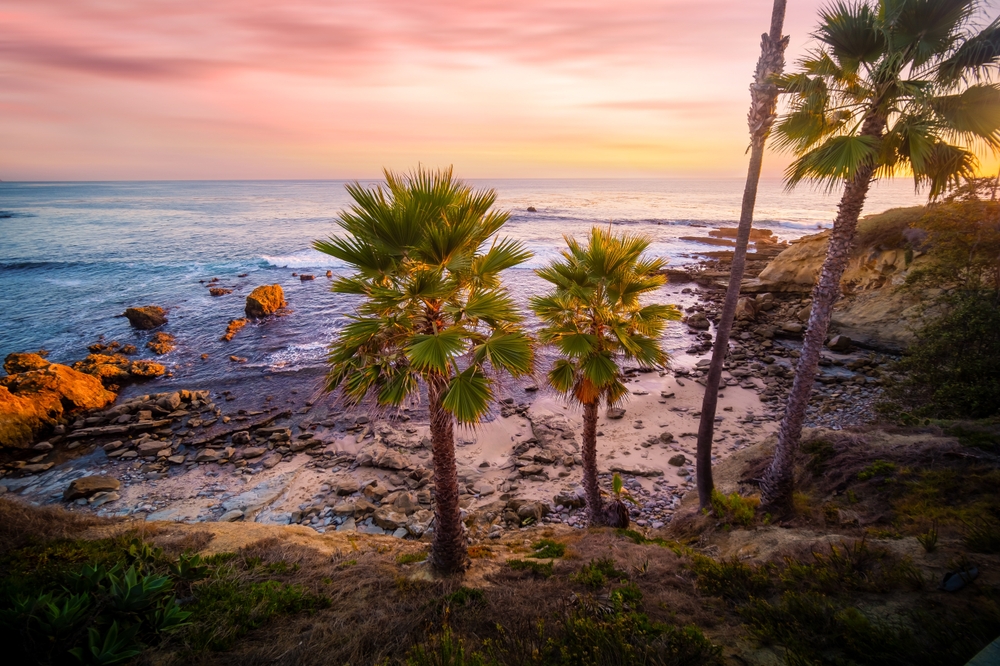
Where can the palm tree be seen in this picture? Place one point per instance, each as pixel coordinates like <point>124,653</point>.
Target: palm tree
<point>594,317</point>
<point>894,86</point>
<point>427,262</point>
<point>763,101</point>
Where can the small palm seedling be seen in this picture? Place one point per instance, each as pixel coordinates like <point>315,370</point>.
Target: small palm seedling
<point>616,512</point>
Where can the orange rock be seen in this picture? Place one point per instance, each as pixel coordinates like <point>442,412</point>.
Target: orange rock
<point>34,400</point>
<point>265,300</point>
<point>16,362</point>
<point>231,330</point>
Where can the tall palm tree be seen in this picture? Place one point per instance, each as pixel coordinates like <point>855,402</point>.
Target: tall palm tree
<point>594,317</point>
<point>763,102</point>
<point>894,86</point>
<point>427,262</point>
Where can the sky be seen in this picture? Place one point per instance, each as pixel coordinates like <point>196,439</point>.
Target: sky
<point>227,89</point>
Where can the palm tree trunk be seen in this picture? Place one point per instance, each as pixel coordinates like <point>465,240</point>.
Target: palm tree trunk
<point>595,507</point>
<point>763,100</point>
<point>777,485</point>
<point>448,552</point>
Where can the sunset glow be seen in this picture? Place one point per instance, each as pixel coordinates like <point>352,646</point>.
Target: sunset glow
<point>308,89</point>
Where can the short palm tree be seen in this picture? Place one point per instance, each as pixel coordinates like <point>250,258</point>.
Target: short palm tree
<point>594,317</point>
<point>427,261</point>
<point>894,86</point>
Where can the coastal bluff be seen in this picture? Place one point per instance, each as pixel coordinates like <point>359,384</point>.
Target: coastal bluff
<point>874,310</point>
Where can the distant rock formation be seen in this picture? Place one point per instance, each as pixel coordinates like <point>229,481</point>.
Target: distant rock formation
<point>147,317</point>
<point>265,300</point>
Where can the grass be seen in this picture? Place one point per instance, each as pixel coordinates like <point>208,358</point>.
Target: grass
<point>547,549</point>
<point>885,230</point>
<point>410,558</point>
<point>879,468</point>
<point>542,569</point>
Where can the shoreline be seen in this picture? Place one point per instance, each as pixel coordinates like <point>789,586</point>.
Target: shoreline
<point>276,449</point>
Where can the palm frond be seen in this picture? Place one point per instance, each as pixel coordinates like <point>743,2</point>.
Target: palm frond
<point>468,396</point>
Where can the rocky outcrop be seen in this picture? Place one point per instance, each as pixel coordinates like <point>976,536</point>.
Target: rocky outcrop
<point>147,317</point>
<point>161,343</point>
<point>117,369</point>
<point>34,400</point>
<point>265,300</point>
<point>234,326</point>
<point>873,311</point>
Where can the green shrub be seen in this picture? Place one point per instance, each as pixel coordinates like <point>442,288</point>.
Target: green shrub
<point>952,371</point>
<point>596,573</point>
<point>410,558</point>
<point>444,649</point>
<point>877,468</point>
<point>734,508</point>
<point>547,548</point>
<point>543,569</point>
<point>730,579</point>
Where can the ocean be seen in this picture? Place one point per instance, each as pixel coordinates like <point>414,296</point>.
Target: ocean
<point>74,255</point>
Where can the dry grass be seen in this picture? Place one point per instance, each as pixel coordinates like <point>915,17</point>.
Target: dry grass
<point>21,524</point>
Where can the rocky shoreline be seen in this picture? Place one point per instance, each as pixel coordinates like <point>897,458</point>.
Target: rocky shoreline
<point>189,455</point>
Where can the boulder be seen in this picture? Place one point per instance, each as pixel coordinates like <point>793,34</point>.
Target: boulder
<point>746,309</point>
<point>146,318</point>
<point>265,300</point>
<point>636,470</point>
<point>676,460</point>
<point>699,321</point>
<point>89,485</point>
<point>839,343</point>
<point>116,369</point>
<point>346,487</point>
<point>571,500</point>
<point>388,519</point>
<point>241,437</point>
<point>419,522</point>
<point>231,516</point>
<point>615,413</point>
<point>33,401</point>
<point>393,460</point>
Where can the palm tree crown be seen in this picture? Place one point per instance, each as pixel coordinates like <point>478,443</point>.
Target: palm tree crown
<point>594,316</point>
<point>427,262</point>
<point>899,85</point>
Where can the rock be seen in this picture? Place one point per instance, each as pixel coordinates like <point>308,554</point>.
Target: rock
<point>17,362</point>
<point>615,413</point>
<point>234,326</point>
<point>635,470</point>
<point>388,519</point>
<point>532,209</point>
<point>149,448</point>
<point>793,327</point>
<point>571,500</point>
<point>253,452</point>
<point>169,402</point>
<point>117,369</point>
<point>362,508</point>
<point>219,291</point>
<point>531,470</point>
<point>147,317</point>
<point>42,446</point>
<point>346,487</point>
<point>241,438</point>
<point>231,516</point>
<point>392,460</point>
<point>33,401</point>
<point>37,467</point>
<point>699,321</point>
<point>484,489</point>
<point>419,522</point>
<point>100,499</point>
<point>666,437</point>
<point>161,343</point>
<point>89,485</point>
<point>265,300</point>
<point>677,460</point>
<point>347,526</point>
<point>345,508</point>
<point>746,309</point>
<point>271,460</point>
<point>305,277</point>
<point>536,510</point>
<point>208,455</point>
<point>407,503</point>
<point>839,343</point>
